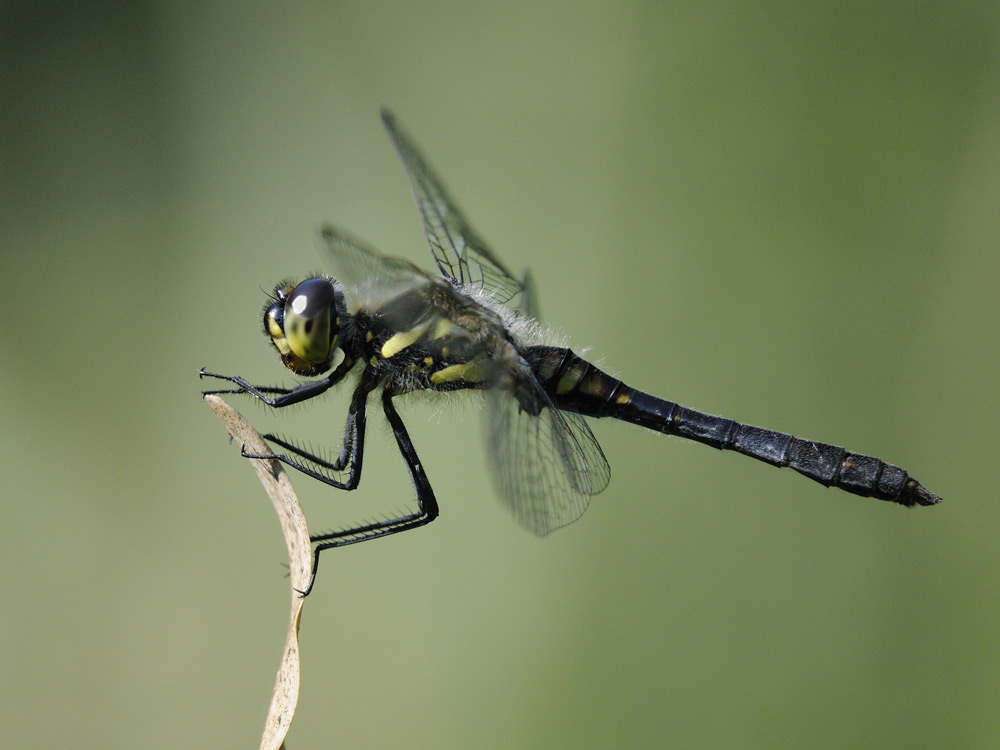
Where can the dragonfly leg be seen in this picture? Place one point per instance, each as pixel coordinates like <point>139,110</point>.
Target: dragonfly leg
<point>351,455</point>
<point>351,451</point>
<point>345,455</point>
<point>278,397</point>
<point>427,507</point>
<point>282,396</point>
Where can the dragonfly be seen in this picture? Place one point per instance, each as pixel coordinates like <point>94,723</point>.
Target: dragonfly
<point>473,327</point>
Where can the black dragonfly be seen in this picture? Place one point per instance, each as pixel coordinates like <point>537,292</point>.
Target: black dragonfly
<point>474,327</point>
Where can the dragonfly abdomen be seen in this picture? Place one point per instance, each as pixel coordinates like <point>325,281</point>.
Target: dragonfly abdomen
<point>574,384</point>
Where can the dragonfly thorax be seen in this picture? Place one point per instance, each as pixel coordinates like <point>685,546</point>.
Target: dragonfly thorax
<point>303,323</point>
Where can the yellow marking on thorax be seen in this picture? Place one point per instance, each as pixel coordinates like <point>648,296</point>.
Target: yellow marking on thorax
<point>471,371</point>
<point>399,341</point>
<point>442,329</point>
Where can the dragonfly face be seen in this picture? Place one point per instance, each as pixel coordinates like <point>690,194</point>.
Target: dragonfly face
<point>303,323</point>
<point>472,328</point>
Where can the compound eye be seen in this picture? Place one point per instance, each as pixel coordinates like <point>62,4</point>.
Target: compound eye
<point>310,321</point>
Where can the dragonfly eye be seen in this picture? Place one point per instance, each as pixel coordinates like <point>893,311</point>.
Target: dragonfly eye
<point>303,325</point>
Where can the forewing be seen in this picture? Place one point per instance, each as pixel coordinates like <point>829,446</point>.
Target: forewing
<point>460,253</point>
<point>369,277</point>
<point>547,466</point>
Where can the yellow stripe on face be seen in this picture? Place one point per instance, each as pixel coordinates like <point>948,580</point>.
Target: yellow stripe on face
<point>399,341</point>
<point>471,372</point>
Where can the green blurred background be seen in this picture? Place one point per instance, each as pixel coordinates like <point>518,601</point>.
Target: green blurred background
<point>786,213</point>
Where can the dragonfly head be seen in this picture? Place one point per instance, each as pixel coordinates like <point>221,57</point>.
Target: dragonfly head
<point>303,322</point>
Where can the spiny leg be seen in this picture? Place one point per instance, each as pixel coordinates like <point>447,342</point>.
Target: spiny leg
<point>427,507</point>
<point>351,451</point>
<point>282,396</point>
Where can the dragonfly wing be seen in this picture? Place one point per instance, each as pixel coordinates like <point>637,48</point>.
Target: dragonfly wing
<point>369,277</point>
<point>460,253</point>
<point>547,466</point>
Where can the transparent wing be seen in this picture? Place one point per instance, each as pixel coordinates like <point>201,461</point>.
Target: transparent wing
<point>369,277</point>
<point>459,252</point>
<point>547,466</point>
